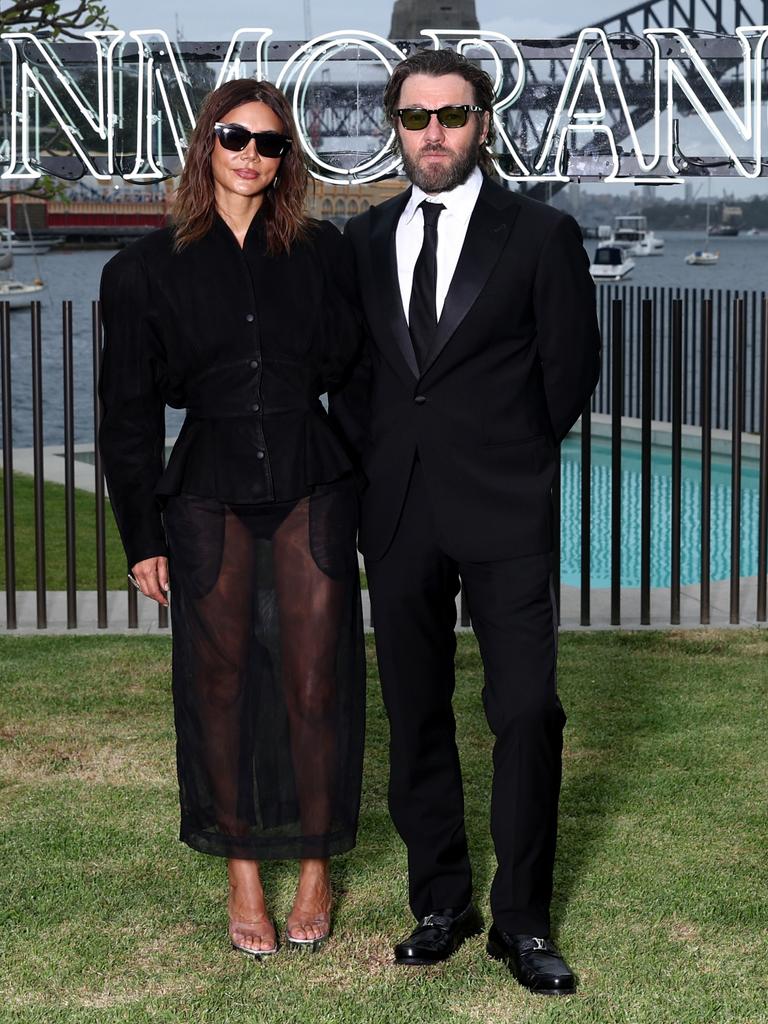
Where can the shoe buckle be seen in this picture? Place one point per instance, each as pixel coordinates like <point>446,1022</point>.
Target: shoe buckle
<point>539,943</point>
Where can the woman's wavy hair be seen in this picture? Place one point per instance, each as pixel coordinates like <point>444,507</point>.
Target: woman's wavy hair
<point>445,62</point>
<point>283,208</point>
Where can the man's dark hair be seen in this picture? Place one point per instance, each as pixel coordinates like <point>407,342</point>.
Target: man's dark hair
<point>437,63</point>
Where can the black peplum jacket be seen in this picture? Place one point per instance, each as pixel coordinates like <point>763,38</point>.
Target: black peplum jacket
<point>247,343</point>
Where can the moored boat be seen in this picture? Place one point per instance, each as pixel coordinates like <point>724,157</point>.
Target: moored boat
<point>632,232</point>
<point>611,263</point>
<point>702,258</point>
<point>20,293</point>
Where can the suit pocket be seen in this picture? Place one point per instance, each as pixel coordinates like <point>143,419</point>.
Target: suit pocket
<point>512,442</point>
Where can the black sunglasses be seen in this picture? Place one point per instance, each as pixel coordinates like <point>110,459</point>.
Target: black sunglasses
<point>414,119</point>
<point>235,138</point>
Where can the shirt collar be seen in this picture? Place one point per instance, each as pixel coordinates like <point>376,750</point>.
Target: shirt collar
<point>459,201</point>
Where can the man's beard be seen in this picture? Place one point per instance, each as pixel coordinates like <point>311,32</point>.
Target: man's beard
<point>434,177</point>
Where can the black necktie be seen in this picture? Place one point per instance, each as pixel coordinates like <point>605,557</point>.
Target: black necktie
<point>422,311</point>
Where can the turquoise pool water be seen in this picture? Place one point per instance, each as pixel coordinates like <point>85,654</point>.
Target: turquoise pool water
<point>661,516</point>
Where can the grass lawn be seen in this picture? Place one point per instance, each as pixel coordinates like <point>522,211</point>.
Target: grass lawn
<point>55,539</point>
<point>661,878</point>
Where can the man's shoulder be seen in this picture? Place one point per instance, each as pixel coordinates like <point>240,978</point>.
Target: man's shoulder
<point>533,209</point>
<point>537,222</point>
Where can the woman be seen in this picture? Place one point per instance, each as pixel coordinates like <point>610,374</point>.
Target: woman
<point>237,313</point>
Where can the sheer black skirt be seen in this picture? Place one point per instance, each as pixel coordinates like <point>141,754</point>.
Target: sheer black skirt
<point>268,673</point>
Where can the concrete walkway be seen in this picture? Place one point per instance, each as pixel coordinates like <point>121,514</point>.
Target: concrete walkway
<point>117,610</point>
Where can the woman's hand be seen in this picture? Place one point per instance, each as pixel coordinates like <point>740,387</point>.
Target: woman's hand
<point>151,575</point>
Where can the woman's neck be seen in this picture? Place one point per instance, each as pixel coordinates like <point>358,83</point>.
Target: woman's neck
<point>237,212</point>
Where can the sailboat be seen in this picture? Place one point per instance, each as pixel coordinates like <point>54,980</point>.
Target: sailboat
<point>16,293</point>
<point>703,257</point>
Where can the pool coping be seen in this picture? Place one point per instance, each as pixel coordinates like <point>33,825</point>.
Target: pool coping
<point>631,429</point>
<point>661,435</point>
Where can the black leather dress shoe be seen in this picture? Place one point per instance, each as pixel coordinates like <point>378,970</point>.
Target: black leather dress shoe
<point>438,935</point>
<point>535,962</point>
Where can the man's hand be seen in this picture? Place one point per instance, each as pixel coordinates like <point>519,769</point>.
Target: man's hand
<point>151,575</point>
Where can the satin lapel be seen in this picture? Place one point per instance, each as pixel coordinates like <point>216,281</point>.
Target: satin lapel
<point>487,234</point>
<point>387,286</point>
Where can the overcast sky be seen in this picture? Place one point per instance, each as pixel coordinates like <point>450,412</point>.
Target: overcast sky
<point>211,22</point>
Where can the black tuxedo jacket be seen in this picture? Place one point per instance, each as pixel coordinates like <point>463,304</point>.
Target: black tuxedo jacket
<point>516,357</point>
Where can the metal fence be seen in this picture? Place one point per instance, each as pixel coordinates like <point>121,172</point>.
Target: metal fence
<point>695,358</point>
<point>722,340</point>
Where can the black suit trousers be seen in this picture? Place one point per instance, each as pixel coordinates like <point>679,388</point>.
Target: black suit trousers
<point>413,593</point>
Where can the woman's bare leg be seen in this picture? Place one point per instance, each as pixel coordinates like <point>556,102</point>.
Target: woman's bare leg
<point>311,914</point>
<point>249,922</point>
<point>310,606</point>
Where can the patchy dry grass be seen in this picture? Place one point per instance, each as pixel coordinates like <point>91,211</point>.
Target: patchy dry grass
<point>661,879</point>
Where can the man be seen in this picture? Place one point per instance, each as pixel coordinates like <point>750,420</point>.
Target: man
<point>483,351</point>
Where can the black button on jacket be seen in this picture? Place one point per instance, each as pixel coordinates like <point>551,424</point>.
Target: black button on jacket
<point>246,342</point>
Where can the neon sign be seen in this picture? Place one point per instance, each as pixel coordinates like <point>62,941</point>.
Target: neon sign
<point>139,99</point>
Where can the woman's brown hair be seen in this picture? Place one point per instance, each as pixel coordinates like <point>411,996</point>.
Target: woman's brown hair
<point>283,208</point>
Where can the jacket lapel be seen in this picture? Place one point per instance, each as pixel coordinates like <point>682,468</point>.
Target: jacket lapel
<point>387,287</point>
<point>487,232</point>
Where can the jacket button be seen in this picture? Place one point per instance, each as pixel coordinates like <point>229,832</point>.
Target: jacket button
<point>255,407</point>
<point>420,399</point>
<point>259,454</point>
<point>250,317</point>
<point>254,364</point>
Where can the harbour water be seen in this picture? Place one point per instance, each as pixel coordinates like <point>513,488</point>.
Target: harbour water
<point>75,275</point>
<point>743,263</point>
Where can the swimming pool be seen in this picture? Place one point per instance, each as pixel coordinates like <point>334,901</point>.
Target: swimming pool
<point>661,515</point>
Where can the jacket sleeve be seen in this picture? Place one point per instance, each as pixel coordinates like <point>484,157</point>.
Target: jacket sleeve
<point>568,335</point>
<point>132,432</point>
<point>349,399</point>
<point>341,329</point>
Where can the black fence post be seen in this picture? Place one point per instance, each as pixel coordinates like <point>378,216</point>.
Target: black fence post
<point>9,535</point>
<point>645,457</point>
<point>677,458</point>
<point>737,425</point>
<point>762,528</point>
<point>98,473</point>
<point>69,462</point>
<point>557,539</point>
<point>705,403</point>
<point>39,476</point>
<point>617,388</point>
<point>586,513</point>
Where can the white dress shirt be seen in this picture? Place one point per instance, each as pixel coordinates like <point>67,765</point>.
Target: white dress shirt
<point>451,232</point>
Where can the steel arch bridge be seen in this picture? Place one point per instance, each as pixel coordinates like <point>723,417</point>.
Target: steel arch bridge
<point>712,22</point>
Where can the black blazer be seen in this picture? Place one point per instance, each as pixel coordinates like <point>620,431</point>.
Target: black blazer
<point>247,343</point>
<point>516,358</point>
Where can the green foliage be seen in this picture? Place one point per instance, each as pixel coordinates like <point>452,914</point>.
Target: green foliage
<point>45,187</point>
<point>55,538</point>
<point>54,19</point>
<point>679,215</point>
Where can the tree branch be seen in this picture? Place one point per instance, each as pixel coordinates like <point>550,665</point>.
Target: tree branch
<point>54,17</point>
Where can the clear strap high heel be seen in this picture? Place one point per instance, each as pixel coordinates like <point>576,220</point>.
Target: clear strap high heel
<point>322,921</point>
<point>250,927</point>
